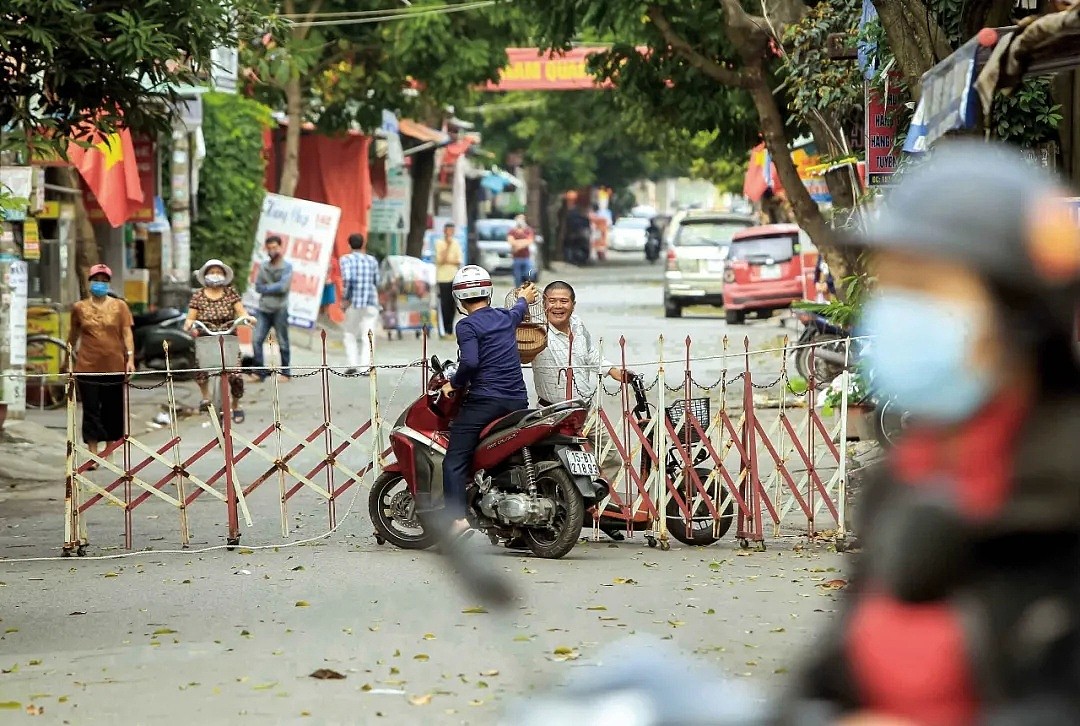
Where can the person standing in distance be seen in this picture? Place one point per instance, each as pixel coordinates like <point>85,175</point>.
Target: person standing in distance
<point>447,263</point>
<point>521,238</point>
<point>360,279</point>
<point>272,283</point>
<point>102,339</point>
<point>488,364</point>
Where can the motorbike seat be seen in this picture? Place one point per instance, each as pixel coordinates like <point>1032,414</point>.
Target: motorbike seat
<point>155,316</point>
<point>507,422</point>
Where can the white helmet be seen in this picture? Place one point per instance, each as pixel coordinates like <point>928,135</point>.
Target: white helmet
<point>472,282</point>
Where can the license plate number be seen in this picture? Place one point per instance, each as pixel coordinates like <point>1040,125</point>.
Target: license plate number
<point>770,272</point>
<point>716,266</point>
<point>582,463</point>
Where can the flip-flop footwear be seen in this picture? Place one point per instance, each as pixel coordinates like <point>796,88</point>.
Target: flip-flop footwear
<point>238,415</point>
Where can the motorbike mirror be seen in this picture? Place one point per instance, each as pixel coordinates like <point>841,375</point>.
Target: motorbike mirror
<point>435,364</point>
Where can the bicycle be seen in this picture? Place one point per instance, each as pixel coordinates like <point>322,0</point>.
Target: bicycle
<point>46,387</point>
<point>219,351</point>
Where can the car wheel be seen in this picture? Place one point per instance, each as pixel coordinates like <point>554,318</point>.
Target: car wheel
<point>735,317</point>
<point>672,309</point>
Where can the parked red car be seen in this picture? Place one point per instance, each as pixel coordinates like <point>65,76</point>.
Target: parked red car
<point>767,269</point>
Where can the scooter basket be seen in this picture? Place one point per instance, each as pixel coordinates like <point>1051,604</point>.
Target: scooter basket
<point>698,408</point>
<point>214,352</point>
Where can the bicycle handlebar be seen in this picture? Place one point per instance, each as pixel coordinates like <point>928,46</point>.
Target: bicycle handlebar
<point>242,320</point>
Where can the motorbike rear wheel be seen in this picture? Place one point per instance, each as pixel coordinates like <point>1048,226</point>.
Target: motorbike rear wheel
<point>551,544</point>
<point>700,532</point>
<point>393,513</point>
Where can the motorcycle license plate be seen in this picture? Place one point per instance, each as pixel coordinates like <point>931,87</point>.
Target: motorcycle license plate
<point>582,463</point>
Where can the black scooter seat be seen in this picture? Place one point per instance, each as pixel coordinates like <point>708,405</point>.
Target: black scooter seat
<point>507,422</point>
<point>156,316</point>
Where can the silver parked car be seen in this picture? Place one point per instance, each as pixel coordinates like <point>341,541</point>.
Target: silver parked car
<point>495,250</point>
<point>697,246</point>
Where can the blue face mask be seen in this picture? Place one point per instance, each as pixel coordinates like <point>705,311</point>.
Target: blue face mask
<point>918,355</point>
<point>99,289</point>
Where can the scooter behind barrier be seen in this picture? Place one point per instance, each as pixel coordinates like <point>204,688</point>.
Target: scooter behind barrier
<point>152,330</point>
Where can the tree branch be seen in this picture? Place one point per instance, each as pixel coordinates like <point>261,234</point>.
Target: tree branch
<point>727,76</point>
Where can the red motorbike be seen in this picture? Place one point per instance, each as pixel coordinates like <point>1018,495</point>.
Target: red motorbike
<point>533,478</point>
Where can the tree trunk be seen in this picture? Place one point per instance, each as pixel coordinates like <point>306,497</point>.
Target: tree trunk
<point>87,253</point>
<point>423,177</point>
<point>294,112</point>
<point>805,209</point>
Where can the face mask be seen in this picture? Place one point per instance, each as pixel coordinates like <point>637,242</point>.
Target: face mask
<point>214,280</point>
<point>919,356</point>
<point>99,289</point>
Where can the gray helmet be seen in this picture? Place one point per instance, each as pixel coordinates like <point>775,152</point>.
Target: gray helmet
<point>981,204</point>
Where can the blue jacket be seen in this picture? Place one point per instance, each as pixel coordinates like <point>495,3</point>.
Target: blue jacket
<point>488,360</point>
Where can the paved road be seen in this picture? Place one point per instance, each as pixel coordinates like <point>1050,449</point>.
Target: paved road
<point>92,641</point>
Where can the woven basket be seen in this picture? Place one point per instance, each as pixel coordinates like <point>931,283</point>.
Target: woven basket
<point>532,333</point>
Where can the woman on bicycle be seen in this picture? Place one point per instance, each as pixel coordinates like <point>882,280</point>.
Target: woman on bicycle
<point>216,306</point>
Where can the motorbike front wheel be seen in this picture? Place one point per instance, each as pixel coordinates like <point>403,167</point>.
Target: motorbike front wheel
<point>556,541</point>
<point>393,513</point>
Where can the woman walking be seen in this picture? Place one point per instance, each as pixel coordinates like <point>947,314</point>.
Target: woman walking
<point>216,306</point>
<point>447,263</point>
<point>105,352</point>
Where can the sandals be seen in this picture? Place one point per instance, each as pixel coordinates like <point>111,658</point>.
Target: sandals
<point>238,416</point>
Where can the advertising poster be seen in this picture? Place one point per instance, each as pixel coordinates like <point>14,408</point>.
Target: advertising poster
<point>307,231</point>
<point>882,153</point>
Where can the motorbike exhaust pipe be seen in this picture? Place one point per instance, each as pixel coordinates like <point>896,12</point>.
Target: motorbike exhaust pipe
<point>833,358</point>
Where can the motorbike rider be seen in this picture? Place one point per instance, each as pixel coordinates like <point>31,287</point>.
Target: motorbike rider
<point>965,604</point>
<point>489,365</point>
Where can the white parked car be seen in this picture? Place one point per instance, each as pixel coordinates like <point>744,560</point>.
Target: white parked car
<point>628,234</point>
<point>697,248</point>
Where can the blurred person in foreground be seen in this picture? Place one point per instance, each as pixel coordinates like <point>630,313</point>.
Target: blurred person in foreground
<point>964,606</point>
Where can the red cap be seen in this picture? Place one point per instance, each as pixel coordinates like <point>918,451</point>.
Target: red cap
<point>100,270</point>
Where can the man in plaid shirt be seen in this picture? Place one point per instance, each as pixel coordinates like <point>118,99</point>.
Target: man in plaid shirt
<point>360,279</point>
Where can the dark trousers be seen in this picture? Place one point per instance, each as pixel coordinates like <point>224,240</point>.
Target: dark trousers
<point>279,321</point>
<point>476,413</point>
<point>449,306</point>
<point>102,400</point>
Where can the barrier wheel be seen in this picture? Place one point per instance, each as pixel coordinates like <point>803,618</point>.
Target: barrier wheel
<point>81,551</point>
<point>232,543</point>
<point>66,552</point>
<point>744,543</point>
<point>651,540</point>
<point>665,545</point>
<point>841,544</point>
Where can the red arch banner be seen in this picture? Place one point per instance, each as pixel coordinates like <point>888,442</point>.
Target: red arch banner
<point>530,69</point>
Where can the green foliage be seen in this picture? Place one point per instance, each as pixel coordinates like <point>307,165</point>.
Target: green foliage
<point>1028,116</point>
<point>231,188</point>
<point>73,62</point>
<point>845,310</point>
<point>818,85</point>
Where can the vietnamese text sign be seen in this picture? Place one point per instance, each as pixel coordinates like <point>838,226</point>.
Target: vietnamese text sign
<point>390,214</point>
<point>882,154</point>
<point>530,69</point>
<point>307,231</point>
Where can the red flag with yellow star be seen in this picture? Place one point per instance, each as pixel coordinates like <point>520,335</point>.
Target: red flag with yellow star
<point>109,169</point>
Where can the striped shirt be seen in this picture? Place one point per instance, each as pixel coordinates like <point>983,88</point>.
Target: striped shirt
<point>360,278</point>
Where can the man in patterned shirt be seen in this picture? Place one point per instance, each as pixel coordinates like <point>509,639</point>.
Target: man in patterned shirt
<point>360,279</point>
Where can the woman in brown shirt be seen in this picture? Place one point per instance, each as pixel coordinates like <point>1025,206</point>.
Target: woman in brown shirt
<point>101,336</point>
<point>216,306</point>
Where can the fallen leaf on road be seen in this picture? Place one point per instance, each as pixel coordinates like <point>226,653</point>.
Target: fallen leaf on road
<point>489,674</point>
<point>298,568</point>
<point>264,686</point>
<point>608,619</point>
<point>78,612</point>
<point>564,653</point>
<point>325,674</point>
<point>12,669</point>
<point>110,574</point>
<point>11,630</point>
<point>373,628</point>
<point>420,700</point>
<point>624,581</point>
<point>716,565</point>
<point>422,657</point>
<point>710,611</point>
<point>523,638</point>
<point>835,584</point>
<point>475,610</point>
<point>597,607</point>
<point>778,630</point>
<point>33,710</point>
<point>245,634</point>
<point>477,702</point>
<point>302,603</point>
<point>429,636</point>
<point>676,623</point>
<point>164,631</point>
<point>245,552</point>
<point>34,662</point>
<point>10,705</point>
